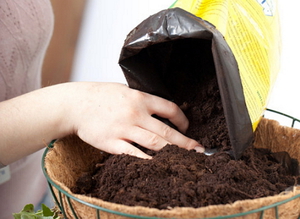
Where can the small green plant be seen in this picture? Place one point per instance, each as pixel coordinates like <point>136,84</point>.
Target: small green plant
<point>29,213</point>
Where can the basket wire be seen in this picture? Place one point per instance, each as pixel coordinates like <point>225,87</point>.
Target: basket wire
<point>60,204</point>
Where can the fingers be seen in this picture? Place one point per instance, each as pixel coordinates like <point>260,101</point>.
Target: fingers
<point>151,141</point>
<point>169,110</point>
<point>123,147</point>
<point>154,135</point>
<point>146,138</point>
<point>157,134</point>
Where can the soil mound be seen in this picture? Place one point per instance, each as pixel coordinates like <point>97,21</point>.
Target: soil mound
<point>176,177</point>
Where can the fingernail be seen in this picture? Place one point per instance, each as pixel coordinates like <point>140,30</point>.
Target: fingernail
<point>199,149</point>
<point>145,156</point>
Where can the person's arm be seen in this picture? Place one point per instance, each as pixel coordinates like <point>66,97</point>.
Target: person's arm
<point>108,116</point>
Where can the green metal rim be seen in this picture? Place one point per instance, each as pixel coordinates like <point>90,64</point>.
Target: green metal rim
<point>285,115</point>
<point>98,208</point>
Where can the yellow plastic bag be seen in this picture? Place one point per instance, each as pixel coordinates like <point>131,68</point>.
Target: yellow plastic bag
<point>251,29</point>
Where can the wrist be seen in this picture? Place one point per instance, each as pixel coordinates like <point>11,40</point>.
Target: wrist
<point>63,118</point>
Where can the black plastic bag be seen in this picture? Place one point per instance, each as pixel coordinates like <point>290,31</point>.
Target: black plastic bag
<point>169,51</point>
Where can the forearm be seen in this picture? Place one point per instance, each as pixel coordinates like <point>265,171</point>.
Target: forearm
<point>108,116</point>
<point>30,121</point>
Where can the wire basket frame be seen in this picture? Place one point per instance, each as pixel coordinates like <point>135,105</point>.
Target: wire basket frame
<point>58,198</point>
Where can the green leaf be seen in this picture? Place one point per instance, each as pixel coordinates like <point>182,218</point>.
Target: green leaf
<point>28,208</point>
<point>24,215</point>
<point>28,216</point>
<point>47,211</point>
<point>28,213</point>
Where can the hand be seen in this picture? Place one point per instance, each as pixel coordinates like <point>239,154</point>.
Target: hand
<point>108,116</point>
<point>111,116</point>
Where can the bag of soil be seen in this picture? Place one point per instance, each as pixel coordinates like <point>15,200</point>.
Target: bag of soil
<point>175,55</point>
<point>252,30</point>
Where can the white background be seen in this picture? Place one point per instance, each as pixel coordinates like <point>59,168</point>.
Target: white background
<point>107,24</point>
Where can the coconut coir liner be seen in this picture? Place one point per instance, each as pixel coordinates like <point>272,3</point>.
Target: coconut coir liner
<point>70,157</point>
<point>176,177</point>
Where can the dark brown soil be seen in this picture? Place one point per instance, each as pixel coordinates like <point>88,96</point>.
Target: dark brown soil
<point>178,177</point>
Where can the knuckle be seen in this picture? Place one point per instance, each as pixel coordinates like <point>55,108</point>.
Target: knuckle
<point>185,125</point>
<point>132,113</point>
<point>167,132</point>
<point>153,140</point>
<point>173,109</point>
<point>137,95</point>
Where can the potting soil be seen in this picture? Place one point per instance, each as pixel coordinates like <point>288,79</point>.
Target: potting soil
<point>176,177</point>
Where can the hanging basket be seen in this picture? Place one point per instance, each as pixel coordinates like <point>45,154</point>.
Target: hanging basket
<point>64,160</point>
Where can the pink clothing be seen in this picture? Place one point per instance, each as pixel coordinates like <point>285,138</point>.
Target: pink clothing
<point>25,31</point>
